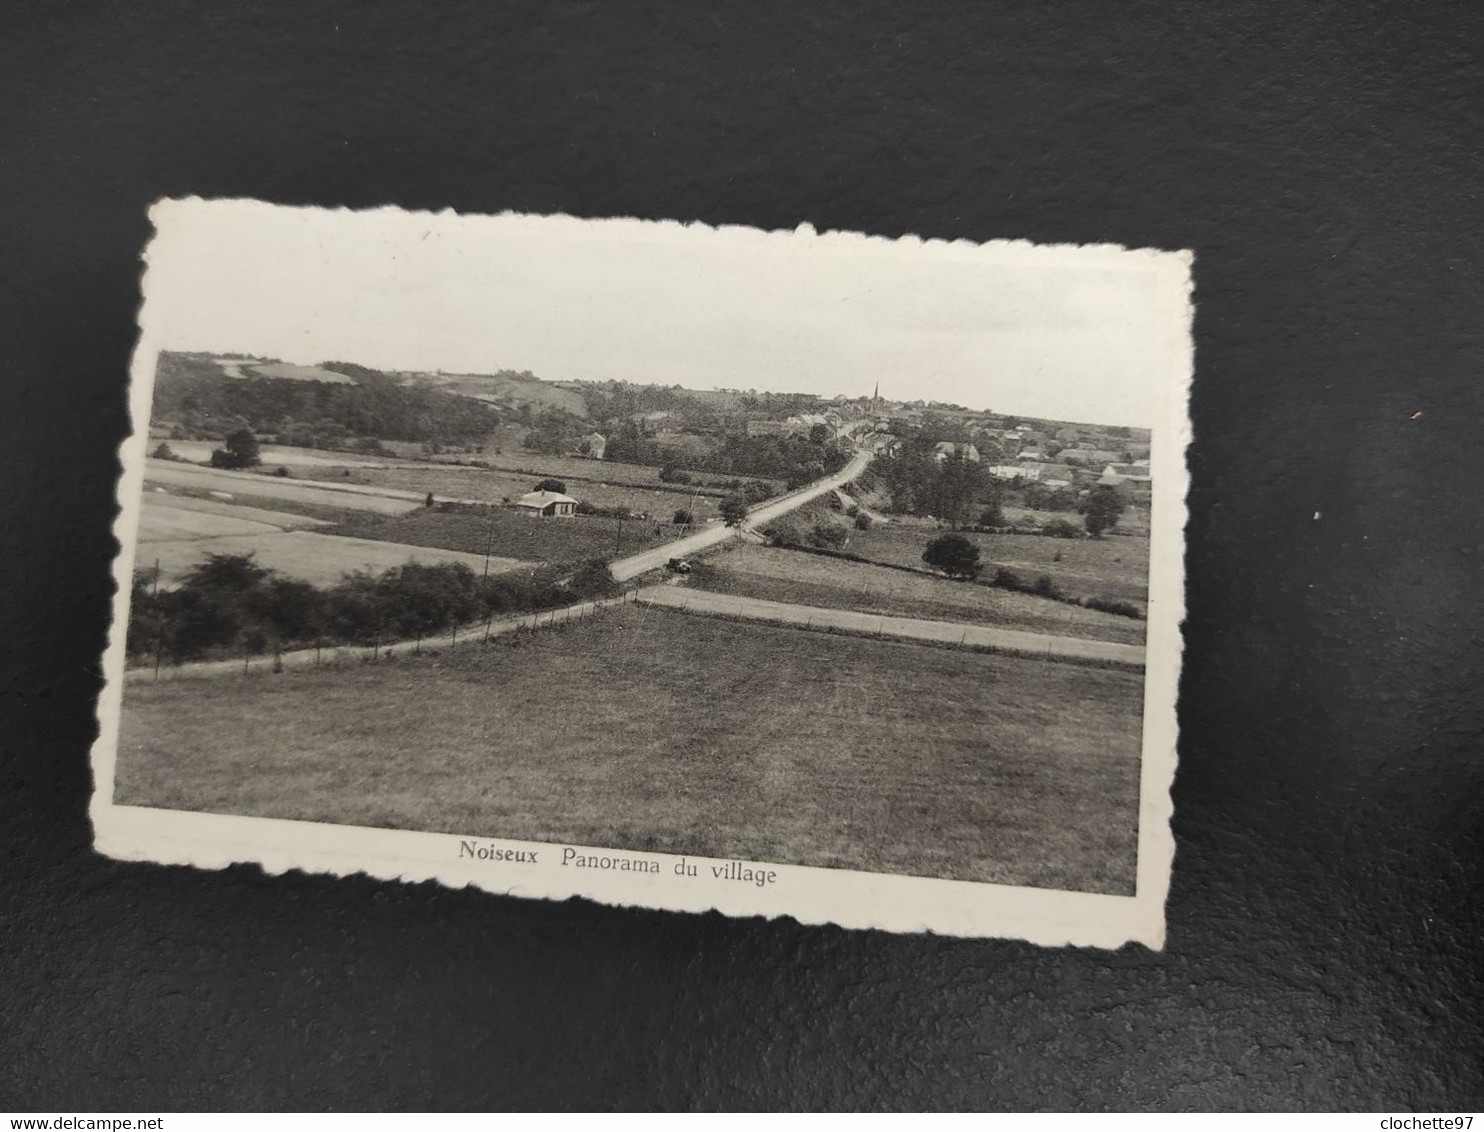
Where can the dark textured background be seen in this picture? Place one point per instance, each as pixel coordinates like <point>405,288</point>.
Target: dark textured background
<point>1324,162</point>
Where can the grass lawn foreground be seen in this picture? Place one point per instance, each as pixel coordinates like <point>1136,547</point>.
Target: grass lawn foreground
<point>650,729</point>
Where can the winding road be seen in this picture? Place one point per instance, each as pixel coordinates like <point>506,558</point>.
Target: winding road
<point>623,569</point>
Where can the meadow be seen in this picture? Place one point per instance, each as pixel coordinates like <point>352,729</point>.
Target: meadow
<point>485,485</point>
<point>777,574</point>
<point>511,533</point>
<point>652,730</point>
<point>174,501</point>
<point>1114,567</point>
<point>310,556</point>
<point>161,523</point>
<point>245,485</point>
<point>583,470</point>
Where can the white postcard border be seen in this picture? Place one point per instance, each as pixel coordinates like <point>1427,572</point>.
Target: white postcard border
<point>811,895</point>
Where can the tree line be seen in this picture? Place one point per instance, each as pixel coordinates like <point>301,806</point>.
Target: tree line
<point>229,604</point>
<point>954,489</point>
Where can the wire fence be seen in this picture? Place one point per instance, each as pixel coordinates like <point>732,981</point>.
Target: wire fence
<point>322,654</point>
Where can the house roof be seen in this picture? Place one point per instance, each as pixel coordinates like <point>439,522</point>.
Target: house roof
<point>1053,471</point>
<point>543,499</point>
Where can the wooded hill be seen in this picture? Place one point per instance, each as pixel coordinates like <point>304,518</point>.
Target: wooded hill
<point>195,392</point>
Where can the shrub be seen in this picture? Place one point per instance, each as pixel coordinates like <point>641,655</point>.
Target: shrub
<point>585,508</point>
<point>555,485</point>
<point>280,471</point>
<point>827,536</point>
<point>669,474</point>
<point>683,518</point>
<point>1045,587</point>
<point>1121,608</point>
<point>863,522</point>
<point>592,579</point>
<point>1060,528</point>
<point>782,532</point>
<point>163,452</point>
<point>955,555</point>
<point>239,451</point>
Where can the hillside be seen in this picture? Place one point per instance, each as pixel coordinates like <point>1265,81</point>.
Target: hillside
<point>508,389</point>
<point>198,396</point>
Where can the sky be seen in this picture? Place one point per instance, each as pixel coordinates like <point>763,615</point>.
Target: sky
<point>1071,334</point>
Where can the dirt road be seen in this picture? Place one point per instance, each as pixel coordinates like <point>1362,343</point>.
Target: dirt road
<point>905,628</point>
<point>625,568</point>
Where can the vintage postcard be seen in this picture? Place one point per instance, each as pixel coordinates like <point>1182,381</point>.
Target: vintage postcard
<point>790,573</point>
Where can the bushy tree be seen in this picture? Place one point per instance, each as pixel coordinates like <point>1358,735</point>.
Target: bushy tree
<point>240,451</point>
<point>733,510</point>
<point>782,532</point>
<point>1104,506</point>
<point>558,486</point>
<point>955,555</point>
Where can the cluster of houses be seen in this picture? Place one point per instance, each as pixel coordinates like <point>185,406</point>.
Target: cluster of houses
<point>797,425</point>
<point>1069,457</point>
<point>1064,459</point>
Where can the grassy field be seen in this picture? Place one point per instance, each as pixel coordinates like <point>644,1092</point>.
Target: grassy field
<point>660,731</point>
<point>307,555</point>
<point>283,520</point>
<point>161,523</point>
<point>257,489</point>
<point>512,534</point>
<point>579,469</point>
<point>1115,567</point>
<point>487,485</point>
<point>774,574</point>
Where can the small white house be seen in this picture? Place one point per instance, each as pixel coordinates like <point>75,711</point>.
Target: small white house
<point>547,503</point>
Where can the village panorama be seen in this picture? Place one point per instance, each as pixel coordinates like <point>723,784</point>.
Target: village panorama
<point>864,632</point>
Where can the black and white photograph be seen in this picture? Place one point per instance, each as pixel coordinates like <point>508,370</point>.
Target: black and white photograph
<point>775,572</point>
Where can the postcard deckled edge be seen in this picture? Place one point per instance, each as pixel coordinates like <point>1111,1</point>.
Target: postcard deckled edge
<point>1041,916</point>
